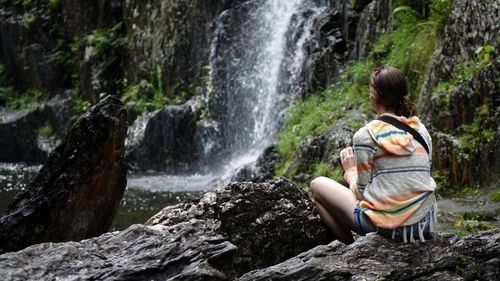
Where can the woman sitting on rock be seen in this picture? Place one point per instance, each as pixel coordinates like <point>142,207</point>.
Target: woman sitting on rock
<point>391,190</point>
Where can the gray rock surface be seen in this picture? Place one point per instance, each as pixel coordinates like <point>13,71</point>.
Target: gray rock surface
<point>268,222</point>
<point>76,192</point>
<point>167,143</point>
<point>20,140</point>
<point>467,103</point>
<point>373,21</point>
<point>185,251</point>
<point>445,257</point>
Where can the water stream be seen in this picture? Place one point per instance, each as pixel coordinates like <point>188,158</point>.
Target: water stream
<point>257,58</point>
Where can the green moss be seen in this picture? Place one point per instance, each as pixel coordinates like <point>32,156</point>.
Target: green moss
<point>25,100</point>
<point>469,223</point>
<point>322,110</point>
<point>495,196</point>
<point>442,182</point>
<point>148,95</point>
<point>327,170</point>
<point>54,4</point>
<point>46,131</point>
<point>410,45</point>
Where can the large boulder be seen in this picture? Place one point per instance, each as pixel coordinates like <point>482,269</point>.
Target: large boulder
<point>186,251</point>
<point>445,257</point>
<point>77,191</point>
<point>268,222</point>
<point>237,228</point>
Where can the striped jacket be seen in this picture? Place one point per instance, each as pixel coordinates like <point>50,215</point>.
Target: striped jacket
<point>392,178</point>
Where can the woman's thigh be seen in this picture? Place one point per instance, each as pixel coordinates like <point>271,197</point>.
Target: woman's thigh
<point>337,199</point>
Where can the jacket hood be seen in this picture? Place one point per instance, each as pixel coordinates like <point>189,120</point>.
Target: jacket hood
<point>392,139</point>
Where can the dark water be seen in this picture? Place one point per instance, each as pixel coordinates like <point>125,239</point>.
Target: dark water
<point>145,194</point>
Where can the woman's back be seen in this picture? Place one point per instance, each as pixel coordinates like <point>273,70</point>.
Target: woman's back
<point>393,178</point>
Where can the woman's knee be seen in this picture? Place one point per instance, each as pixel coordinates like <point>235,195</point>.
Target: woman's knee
<point>316,185</point>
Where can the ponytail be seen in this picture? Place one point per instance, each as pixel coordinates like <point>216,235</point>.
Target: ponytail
<point>405,107</point>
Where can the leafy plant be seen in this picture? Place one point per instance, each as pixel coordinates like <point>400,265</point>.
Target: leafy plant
<point>485,53</point>
<point>45,131</point>
<point>495,196</point>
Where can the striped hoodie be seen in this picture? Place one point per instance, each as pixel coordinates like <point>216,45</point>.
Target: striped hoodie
<point>392,178</point>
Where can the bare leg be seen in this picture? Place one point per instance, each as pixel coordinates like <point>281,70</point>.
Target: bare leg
<point>341,233</point>
<point>336,205</point>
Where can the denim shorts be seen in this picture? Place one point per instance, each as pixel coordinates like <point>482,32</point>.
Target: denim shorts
<point>365,226</point>
<point>363,223</point>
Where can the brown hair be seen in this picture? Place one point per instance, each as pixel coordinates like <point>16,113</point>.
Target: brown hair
<point>389,86</point>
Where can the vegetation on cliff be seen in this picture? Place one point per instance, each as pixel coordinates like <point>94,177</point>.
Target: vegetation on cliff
<point>408,45</point>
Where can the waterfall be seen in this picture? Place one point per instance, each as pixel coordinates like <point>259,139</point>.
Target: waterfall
<point>257,57</point>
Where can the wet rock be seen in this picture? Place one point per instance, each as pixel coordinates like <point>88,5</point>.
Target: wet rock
<point>177,44</point>
<point>461,110</point>
<point>76,193</point>
<point>26,46</point>
<point>21,138</point>
<point>19,131</point>
<point>81,17</point>
<point>268,222</point>
<point>185,251</point>
<point>167,143</point>
<point>328,48</point>
<point>262,170</point>
<point>373,21</point>
<point>445,257</point>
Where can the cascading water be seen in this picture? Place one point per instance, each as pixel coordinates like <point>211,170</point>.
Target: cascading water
<point>257,59</point>
<point>257,47</point>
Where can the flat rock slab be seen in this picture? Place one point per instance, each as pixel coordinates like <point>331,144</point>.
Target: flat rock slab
<point>187,251</point>
<point>445,257</point>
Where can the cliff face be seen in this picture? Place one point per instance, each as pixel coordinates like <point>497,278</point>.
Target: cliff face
<point>460,98</point>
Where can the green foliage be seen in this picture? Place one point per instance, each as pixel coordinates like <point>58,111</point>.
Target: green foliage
<point>485,53</point>
<point>27,3</point>
<point>327,170</point>
<point>81,106</point>
<point>495,196</point>
<point>475,136</point>
<point>29,19</point>
<point>46,131</point>
<point>102,40</point>
<point>6,90</point>
<point>410,45</point>
<point>471,222</point>
<point>442,182</point>
<point>322,110</point>
<point>54,4</point>
<point>148,95</point>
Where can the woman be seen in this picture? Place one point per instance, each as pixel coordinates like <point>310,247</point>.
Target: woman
<point>390,189</point>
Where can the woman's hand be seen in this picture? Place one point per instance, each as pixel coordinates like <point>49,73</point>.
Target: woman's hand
<point>347,158</point>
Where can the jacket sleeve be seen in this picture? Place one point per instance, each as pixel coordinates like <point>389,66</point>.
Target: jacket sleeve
<point>364,150</point>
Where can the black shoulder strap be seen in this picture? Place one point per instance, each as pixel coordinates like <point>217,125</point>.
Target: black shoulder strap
<point>400,125</point>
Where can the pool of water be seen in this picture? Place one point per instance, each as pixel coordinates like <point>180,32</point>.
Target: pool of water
<point>145,195</point>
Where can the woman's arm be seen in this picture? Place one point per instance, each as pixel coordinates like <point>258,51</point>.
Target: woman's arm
<point>360,175</point>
